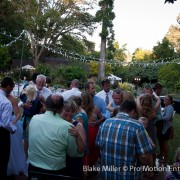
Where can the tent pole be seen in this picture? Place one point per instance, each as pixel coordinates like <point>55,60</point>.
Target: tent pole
<point>20,72</point>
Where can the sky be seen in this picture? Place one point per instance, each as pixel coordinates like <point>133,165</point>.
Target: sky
<point>141,23</point>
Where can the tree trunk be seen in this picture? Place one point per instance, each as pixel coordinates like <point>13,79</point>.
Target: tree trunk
<point>38,56</point>
<point>101,68</point>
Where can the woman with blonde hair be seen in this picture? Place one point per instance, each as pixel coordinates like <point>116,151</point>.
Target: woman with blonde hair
<point>31,106</point>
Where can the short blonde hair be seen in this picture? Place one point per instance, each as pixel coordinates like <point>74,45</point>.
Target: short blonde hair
<point>30,92</point>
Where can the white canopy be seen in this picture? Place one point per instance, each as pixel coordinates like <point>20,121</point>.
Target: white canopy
<point>28,67</point>
<point>113,77</point>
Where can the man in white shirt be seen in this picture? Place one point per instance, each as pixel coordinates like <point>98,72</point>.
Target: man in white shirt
<point>106,93</point>
<point>41,91</point>
<point>6,126</point>
<point>73,91</point>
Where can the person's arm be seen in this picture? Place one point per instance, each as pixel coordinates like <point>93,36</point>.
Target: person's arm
<point>79,133</point>
<point>168,113</point>
<point>151,142</point>
<point>79,119</point>
<point>103,109</point>
<point>158,103</point>
<point>16,110</point>
<point>109,107</point>
<point>101,118</point>
<point>143,146</point>
<point>7,118</point>
<point>98,138</point>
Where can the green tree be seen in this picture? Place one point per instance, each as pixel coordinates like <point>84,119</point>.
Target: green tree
<point>12,24</point>
<point>147,71</point>
<point>74,72</point>
<point>121,71</point>
<point>43,69</point>
<point>93,69</point>
<point>11,21</point>
<point>120,53</point>
<point>163,49</point>
<point>173,35</point>
<point>142,55</point>
<point>169,75</point>
<point>4,58</point>
<point>105,15</point>
<point>72,44</point>
<point>47,21</point>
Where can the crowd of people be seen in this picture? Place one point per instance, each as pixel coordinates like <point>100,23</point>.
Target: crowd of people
<point>67,133</point>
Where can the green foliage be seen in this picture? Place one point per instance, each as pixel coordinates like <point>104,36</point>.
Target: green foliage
<point>147,72</point>
<point>142,55</point>
<point>122,72</point>
<point>47,22</point>
<point>10,20</point>
<point>93,69</point>
<point>173,35</point>
<point>163,49</point>
<point>127,86</point>
<point>95,54</point>
<point>106,15</point>
<point>98,88</point>
<point>68,73</point>
<point>72,44</point>
<point>120,53</point>
<point>12,23</point>
<point>4,58</point>
<point>169,75</point>
<point>43,69</point>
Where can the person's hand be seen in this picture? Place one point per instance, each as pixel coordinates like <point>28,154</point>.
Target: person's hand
<point>73,131</point>
<point>139,97</point>
<point>27,105</point>
<point>42,98</point>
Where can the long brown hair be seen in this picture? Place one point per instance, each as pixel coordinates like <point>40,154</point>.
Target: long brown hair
<point>87,103</point>
<point>147,108</point>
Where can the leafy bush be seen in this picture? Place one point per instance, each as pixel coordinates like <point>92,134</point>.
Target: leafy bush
<point>169,76</point>
<point>4,58</point>
<point>127,86</point>
<point>65,74</point>
<point>93,68</point>
<point>43,69</point>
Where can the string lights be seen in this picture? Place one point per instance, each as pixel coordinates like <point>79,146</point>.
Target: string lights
<point>75,56</point>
